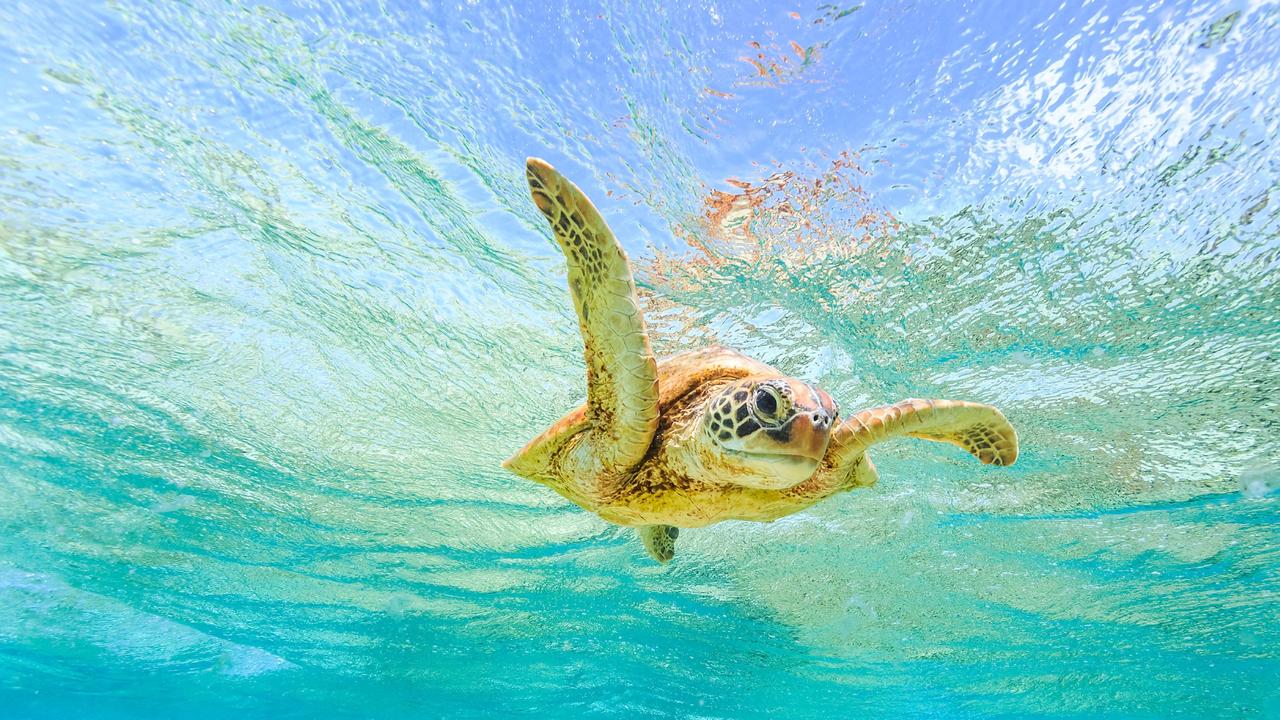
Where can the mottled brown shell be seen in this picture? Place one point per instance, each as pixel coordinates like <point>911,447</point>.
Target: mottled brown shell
<point>678,375</point>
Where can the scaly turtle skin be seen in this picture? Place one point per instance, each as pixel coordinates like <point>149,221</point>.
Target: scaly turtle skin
<point>706,435</point>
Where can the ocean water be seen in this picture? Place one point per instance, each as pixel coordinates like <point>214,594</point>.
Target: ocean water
<point>276,304</point>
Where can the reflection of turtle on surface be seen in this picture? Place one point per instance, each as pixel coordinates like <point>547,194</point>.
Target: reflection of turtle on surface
<point>706,435</point>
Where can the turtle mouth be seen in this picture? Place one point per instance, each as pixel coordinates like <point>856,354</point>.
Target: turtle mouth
<point>785,463</point>
<point>779,458</point>
<point>773,470</point>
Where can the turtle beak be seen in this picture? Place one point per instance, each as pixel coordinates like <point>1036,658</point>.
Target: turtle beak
<point>826,404</point>
<point>810,433</point>
<point>811,428</point>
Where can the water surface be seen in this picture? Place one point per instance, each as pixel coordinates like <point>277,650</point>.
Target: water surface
<point>276,305</point>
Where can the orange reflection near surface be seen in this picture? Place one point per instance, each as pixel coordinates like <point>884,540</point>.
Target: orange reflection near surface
<point>775,65</point>
<point>819,211</point>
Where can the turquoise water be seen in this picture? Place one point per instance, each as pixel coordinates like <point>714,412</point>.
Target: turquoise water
<point>276,304</point>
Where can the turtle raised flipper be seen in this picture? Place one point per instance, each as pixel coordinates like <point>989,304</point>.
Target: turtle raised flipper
<point>981,430</point>
<point>622,374</point>
<point>660,541</point>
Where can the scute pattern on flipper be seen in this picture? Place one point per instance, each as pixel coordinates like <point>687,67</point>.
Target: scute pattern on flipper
<point>983,442</point>
<point>622,391</point>
<point>981,430</point>
<point>659,541</point>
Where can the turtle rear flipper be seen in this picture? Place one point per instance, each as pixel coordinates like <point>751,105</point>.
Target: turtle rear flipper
<point>660,541</point>
<point>622,375</point>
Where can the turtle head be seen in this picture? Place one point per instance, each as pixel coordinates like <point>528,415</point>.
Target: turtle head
<point>769,433</point>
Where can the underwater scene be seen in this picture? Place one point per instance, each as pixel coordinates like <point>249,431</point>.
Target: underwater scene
<point>277,304</point>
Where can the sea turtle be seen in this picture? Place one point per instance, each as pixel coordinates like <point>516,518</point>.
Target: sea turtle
<point>705,435</point>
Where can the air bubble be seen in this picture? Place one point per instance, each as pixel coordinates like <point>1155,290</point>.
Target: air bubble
<point>1258,482</point>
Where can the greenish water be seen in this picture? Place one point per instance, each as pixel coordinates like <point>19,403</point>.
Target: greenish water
<point>276,305</point>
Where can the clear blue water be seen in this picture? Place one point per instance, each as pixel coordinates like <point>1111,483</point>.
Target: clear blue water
<point>276,304</point>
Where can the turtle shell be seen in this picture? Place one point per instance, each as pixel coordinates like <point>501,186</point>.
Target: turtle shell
<point>678,375</point>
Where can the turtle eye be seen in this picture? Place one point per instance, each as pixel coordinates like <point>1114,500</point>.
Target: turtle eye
<point>769,404</point>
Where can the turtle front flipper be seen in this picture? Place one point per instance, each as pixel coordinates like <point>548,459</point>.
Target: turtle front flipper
<point>622,375</point>
<point>660,541</point>
<point>980,430</point>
